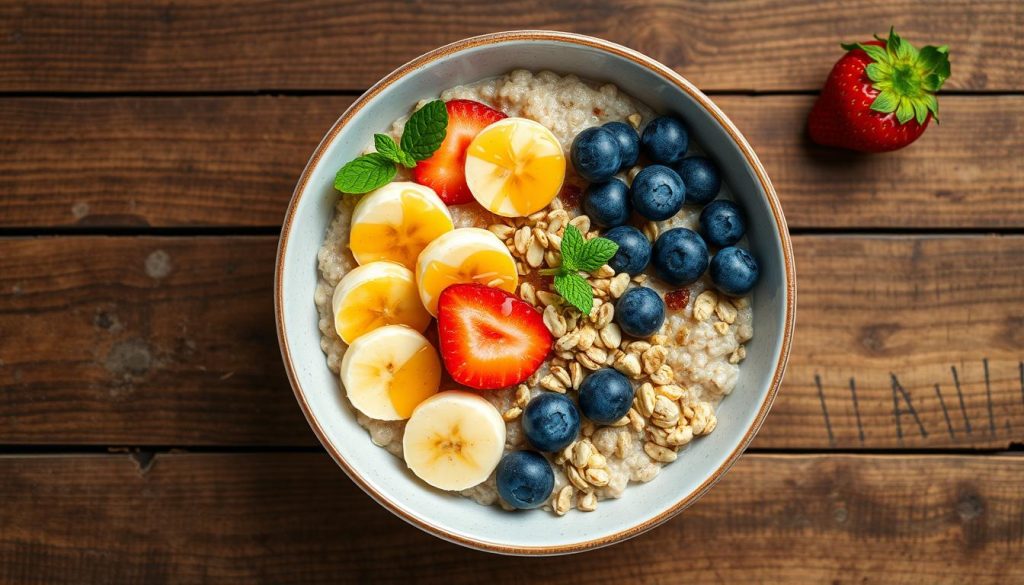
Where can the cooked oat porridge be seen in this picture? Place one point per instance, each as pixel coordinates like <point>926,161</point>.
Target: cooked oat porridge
<point>677,367</point>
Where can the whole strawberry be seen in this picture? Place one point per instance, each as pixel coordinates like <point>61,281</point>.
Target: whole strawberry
<point>880,95</point>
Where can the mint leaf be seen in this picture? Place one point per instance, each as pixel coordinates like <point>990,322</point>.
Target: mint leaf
<point>406,160</point>
<point>576,291</point>
<point>425,130</point>
<point>572,246</point>
<point>386,147</point>
<point>364,174</point>
<point>595,253</point>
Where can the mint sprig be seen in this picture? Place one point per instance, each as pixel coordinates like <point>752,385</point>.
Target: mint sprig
<point>424,132</point>
<point>365,174</point>
<point>580,255</point>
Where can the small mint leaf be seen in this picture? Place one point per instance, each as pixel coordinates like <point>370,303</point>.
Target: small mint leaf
<point>406,160</point>
<point>425,130</point>
<point>572,247</point>
<point>364,174</point>
<point>595,254</point>
<point>386,147</point>
<point>576,291</point>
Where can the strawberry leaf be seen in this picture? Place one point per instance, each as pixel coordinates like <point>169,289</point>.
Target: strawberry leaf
<point>904,111</point>
<point>920,112</point>
<point>905,78</point>
<point>877,54</point>
<point>875,72</point>
<point>886,102</point>
<point>576,291</point>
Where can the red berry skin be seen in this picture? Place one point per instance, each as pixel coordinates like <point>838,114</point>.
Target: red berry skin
<point>444,171</point>
<point>843,117</point>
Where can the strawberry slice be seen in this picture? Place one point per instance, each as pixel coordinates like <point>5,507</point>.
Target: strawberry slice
<point>489,339</point>
<point>444,171</point>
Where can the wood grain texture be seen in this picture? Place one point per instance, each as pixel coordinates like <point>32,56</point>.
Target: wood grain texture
<point>295,518</point>
<point>105,45</point>
<point>900,316</point>
<point>170,341</point>
<point>233,161</point>
<point>149,340</point>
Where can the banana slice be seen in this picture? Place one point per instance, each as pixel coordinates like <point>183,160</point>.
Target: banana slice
<point>464,255</point>
<point>396,222</point>
<point>389,371</point>
<point>377,294</point>
<point>454,440</point>
<point>515,167</point>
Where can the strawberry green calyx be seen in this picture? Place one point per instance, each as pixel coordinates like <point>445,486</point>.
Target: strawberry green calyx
<point>906,79</point>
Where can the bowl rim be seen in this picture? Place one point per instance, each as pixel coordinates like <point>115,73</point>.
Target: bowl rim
<point>683,85</point>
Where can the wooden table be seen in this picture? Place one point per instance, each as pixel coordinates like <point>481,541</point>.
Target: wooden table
<point>148,433</point>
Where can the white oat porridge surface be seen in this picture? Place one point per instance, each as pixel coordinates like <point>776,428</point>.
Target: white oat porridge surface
<point>680,374</point>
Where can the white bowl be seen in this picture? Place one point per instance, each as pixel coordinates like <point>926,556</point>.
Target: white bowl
<point>384,477</point>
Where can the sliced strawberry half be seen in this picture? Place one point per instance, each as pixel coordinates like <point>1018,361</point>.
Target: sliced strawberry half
<point>489,338</point>
<point>444,171</point>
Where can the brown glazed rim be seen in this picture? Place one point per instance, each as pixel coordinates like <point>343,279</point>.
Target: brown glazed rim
<point>671,77</point>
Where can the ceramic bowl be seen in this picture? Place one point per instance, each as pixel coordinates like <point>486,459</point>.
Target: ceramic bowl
<point>384,477</point>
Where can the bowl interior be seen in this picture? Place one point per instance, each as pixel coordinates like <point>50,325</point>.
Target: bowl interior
<point>385,476</point>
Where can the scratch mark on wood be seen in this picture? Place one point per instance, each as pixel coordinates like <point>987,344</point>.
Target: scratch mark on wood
<point>960,394</point>
<point>988,398</point>
<point>824,410</point>
<point>856,409</point>
<point>897,391</point>
<point>945,412</point>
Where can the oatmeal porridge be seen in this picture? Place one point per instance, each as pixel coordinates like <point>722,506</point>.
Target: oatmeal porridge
<point>659,366</point>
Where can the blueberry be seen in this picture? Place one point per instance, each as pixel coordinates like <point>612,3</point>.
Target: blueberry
<point>634,249</point>
<point>722,223</point>
<point>607,203</point>
<point>701,178</point>
<point>734,271</point>
<point>640,312</point>
<point>605,396</point>
<point>657,192</point>
<point>525,479</point>
<point>551,422</point>
<point>680,256</point>
<point>629,142</point>
<point>665,140</point>
<point>595,154</point>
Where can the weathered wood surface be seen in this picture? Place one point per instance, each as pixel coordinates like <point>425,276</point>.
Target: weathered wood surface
<point>170,341</point>
<point>233,161</point>
<point>295,518</point>
<point>201,45</point>
<point>142,341</point>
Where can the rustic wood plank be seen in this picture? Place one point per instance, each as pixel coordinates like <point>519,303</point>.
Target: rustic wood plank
<point>102,45</point>
<point>233,161</point>
<point>150,340</point>
<point>283,518</point>
<point>898,317</point>
<point>964,173</point>
<point>156,161</point>
<point>170,341</point>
